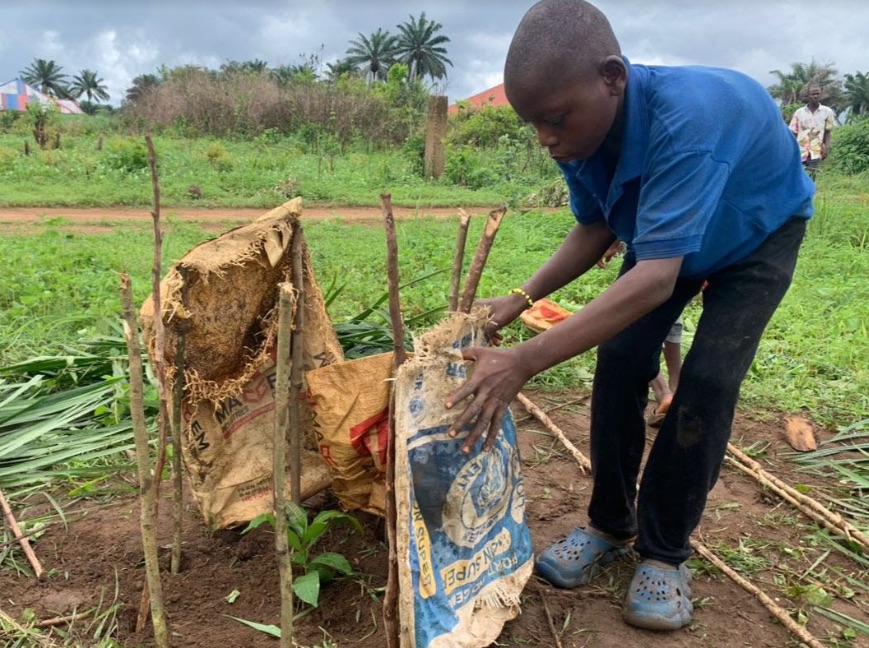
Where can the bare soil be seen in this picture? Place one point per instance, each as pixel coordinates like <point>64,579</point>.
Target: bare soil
<point>101,546</point>
<point>96,220</point>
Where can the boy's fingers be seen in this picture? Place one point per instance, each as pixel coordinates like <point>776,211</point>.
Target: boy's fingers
<point>494,428</point>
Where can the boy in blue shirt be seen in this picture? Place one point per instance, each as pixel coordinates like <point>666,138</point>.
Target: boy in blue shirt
<point>695,170</point>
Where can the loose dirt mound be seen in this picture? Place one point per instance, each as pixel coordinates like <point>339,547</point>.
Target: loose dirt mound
<point>101,544</point>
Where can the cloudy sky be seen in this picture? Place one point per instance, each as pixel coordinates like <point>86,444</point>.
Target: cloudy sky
<point>121,39</point>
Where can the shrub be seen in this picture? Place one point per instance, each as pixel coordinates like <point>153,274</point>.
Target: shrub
<point>486,126</point>
<point>128,154</point>
<point>850,147</point>
<point>218,157</point>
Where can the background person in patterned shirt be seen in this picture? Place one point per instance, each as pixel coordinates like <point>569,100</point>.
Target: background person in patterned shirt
<point>812,124</point>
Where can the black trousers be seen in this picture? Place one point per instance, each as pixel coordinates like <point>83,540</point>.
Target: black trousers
<point>686,456</point>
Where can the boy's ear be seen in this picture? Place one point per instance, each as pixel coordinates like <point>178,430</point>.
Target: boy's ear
<point>614,73</point>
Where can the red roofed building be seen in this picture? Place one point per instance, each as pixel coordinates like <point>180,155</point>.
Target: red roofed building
<point>492,97</point>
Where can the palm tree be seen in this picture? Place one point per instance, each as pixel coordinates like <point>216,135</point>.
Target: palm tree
<point>46,76</point>
<point>792,85</point>
<point>142,84</point>
<point>88,84</point>
<point>421,50</point>
<point>375,53</point>
<point>857,92</point>
<point>336,70</point>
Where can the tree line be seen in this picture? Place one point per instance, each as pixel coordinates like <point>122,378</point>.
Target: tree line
<point>849,95</point>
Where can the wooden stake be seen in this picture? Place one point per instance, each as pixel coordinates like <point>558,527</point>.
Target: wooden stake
<point>493,222</point>
<point>391,612</point>
<point>177,404</point>
<point>60,620</point>
<point>780,614</point>
<point>21,537</point>
<point>459,258</point>
<point>158,363</point>
<point>146,482</point>
<point>279,463</point>
<point>296,375</point>
<point>540,415</point>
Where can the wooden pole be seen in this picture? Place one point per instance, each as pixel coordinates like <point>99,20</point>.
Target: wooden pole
<point>159,360</point>
<point>20,537</point>
<point>177,404</point>
<point>391,612</point>
<point>487,238</point>
<point>279,466</point>
<point>459,258</point>
<point>146,482</point>
<point>296,374</point>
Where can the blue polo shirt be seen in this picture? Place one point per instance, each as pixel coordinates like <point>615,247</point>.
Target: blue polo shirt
<point>707,169</point>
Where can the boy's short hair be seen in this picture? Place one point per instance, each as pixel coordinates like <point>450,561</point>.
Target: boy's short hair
<point>564,36</point>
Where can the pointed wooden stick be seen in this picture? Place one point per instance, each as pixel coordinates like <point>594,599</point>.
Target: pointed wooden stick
<point>459,258</point>
<point>487,238</point>
<point>177,404</point>
<point>21,537</point>
<point>158,362</point>
<point>391,612</point>
<point>296,354</point>
<point>146,481</point>
<point>286,304</point>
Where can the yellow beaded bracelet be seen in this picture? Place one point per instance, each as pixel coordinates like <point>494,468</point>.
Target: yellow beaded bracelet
<point>519,291</point>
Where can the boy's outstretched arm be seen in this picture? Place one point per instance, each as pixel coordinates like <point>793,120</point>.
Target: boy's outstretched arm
<point>578,252</point>
<point>499,374</point>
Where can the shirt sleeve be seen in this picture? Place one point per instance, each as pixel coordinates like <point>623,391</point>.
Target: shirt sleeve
<point>795,123</point>
<point>830,122</point>
<point>677,202</point>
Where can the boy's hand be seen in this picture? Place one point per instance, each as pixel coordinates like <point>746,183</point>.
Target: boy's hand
<point>496,377</point>
<point>615,249</point>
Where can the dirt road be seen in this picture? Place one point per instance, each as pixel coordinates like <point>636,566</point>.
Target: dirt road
<point>17,216</point>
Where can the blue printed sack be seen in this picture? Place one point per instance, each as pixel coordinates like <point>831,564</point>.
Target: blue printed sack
<point>463,544</point>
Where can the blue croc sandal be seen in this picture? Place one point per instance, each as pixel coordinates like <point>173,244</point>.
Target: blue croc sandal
<point>573,561</point>
<point>659,598</point>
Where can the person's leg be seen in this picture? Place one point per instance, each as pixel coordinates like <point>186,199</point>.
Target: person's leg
<point>686,457</point>
<point>625,365</point>
<point>673,358</point>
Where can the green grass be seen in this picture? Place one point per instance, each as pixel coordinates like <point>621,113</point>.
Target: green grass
<point>258,173</point>
<point>61,286</point>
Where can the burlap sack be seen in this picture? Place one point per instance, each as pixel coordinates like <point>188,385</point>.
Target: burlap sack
<point>230,313</point>
<point>463,542</point>
<point>350,401</point>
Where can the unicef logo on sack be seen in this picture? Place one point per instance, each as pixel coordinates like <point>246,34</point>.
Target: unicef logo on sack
<point>479,496</point>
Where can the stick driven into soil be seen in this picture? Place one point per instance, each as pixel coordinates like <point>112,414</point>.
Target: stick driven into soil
<point>540,415</point>
<point>779,613</point>
<point>20,537</point>
<point>391,619</point>
<point>146,482</point>
<point>279,467</point>
<point>296,350</point>
<point>487,238</point>
<point>459,258</point>
<point>159,363</point>
<point>177,402</point>
<point>809,506</point>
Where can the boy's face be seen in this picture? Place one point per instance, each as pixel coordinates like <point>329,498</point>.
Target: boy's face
<point>572,118</point>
